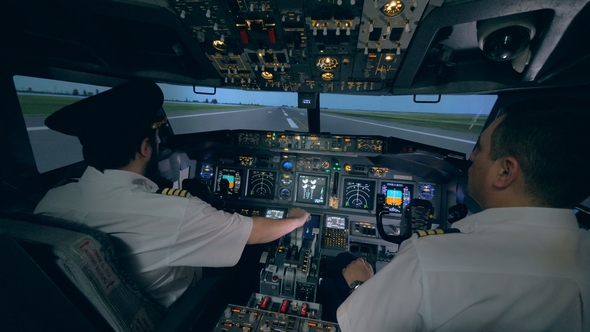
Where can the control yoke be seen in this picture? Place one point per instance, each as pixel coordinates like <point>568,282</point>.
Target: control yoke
<point>416,215</point>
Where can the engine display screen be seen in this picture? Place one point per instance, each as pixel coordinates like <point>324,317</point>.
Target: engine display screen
<point>397,195</point>
<point>359,194</point>
<point>233,176</point>
<point>311,189</point>
<point>261,184</point>
<point>335,222</point>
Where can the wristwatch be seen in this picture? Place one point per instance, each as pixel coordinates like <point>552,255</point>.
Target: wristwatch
<point>355,284</point>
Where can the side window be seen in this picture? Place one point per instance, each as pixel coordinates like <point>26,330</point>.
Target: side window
<point>38,99</point>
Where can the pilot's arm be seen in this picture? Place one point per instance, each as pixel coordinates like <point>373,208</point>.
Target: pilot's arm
<point>388,301</point>
<point>265,229</point>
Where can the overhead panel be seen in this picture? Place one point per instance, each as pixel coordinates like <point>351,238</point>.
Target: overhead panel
<point>312,46</point>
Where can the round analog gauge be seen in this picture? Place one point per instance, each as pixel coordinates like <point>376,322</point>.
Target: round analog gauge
<point>327,76</point>
<point>285,193</point>
<point>287,166</point>
<point>426,191</point>
<point>393,8</point>
<point>286,179</point>
<point>261,184</point>
<point>219,45</point>
<point>266,75</point>
<point>206,171</point>
<point>327,63</point>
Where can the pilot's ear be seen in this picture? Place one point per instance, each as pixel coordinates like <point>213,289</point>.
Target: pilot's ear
<point>145,145</point>
<point>507,171</point>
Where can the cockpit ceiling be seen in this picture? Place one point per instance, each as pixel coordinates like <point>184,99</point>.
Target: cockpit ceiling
<point>375,47</point>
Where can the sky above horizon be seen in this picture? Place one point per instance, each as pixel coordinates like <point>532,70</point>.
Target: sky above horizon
<point>462,104</point>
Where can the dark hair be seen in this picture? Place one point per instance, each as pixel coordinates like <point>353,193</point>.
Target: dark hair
<point>115,153</point>
<point>550,138</point>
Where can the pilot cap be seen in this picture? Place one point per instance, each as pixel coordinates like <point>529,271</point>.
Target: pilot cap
<point>126,111</point>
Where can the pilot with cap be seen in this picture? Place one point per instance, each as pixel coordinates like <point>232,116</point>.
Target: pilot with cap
<point>160,239</point>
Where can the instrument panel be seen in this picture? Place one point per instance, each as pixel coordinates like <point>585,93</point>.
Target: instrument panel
<point>311,142</point>
<point>325,182</point>
<point>265,173</point>
<point>337,179</point>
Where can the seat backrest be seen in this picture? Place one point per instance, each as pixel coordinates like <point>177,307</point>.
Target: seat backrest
<point>85,256</point>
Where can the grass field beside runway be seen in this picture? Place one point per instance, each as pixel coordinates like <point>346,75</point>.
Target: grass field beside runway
<point>37,105</point>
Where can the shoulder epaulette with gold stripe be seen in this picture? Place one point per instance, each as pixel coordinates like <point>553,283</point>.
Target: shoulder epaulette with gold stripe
<point>173,192</point>
<point>427,232</point>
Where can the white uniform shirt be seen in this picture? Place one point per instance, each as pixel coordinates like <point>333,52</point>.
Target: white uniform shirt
<point>510,269</point>
<point>159,239</point>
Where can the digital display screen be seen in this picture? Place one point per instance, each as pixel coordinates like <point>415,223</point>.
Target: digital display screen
<point>310,224</point>
<point>275,213</point>
<point>233,176</point>
<point>307,100</point>
<point>397,195</point>
<point>336,222</point>
<point>313,222</point>
<point>261,184</point>
<point>359,194</point>
<point>311,189</point>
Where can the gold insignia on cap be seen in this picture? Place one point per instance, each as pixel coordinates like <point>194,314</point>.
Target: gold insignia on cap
<point>158,124</point>
<point>427,232</point>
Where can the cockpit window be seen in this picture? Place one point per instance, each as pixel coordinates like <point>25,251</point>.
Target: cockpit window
<point>38,99</point>
<point>454,123</point>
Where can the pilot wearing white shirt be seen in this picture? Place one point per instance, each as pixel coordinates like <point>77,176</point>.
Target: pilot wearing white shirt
<point>162,238</point>
<point>520,265</point>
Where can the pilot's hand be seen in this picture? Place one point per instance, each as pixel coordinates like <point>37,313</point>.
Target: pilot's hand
<point>359,269</point>
<point>300,215</point>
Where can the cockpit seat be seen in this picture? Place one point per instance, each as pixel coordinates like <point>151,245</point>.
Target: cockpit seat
<point>81,262</point>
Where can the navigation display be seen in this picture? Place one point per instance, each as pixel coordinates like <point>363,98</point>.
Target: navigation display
<point>335,222</point>
<point>261,184</point>
<point>359,194</point>
<point>233,176</point>
<point>311,189</point>
<point>397,195</point>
